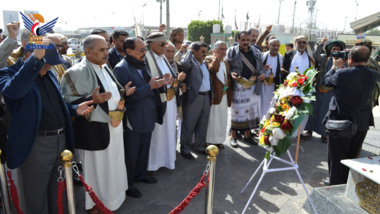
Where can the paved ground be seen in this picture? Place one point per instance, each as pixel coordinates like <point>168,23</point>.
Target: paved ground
<point>280,192</point>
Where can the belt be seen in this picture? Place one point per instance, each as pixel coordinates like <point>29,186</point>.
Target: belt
<point>204,93</point>
<point>51,132</point>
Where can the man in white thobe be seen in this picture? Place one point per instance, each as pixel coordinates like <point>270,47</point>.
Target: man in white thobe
<point>162,152</point>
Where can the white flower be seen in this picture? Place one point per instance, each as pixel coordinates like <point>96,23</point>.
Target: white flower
<point>278,133</point>
<point>291,76</point>
<point>273,141</point>
<point>264,119</point>
<point>290,113</point>
<point>272,110</point>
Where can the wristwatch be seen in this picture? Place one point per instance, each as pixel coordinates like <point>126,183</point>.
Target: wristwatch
<point>334,67</point>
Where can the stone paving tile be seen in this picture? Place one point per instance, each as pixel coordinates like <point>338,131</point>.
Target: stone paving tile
<point>280,192</point>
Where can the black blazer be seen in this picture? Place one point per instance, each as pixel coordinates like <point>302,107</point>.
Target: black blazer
<point>351,94</point>
<point>141,108</point>
<point>113,57</point>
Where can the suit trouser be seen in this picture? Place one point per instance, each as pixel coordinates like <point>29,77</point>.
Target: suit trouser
<point>340,149</point>
<point>136,148</point>
<point>40,174</point>
<point>195,120</point>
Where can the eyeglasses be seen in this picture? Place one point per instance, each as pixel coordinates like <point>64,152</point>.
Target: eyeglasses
<point>301,42</point>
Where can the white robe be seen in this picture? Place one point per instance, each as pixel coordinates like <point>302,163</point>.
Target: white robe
<point>267,90</point>
<point>217,123</point>
<point>105,170</point>
<point>302,62</point>
<point>162,152</point>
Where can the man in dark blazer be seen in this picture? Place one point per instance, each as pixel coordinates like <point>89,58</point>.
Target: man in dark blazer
<point>141,113</point>
<point>351,94</point>
<point>196,101</point>
<point>116,53</point>
<point>40,127</point>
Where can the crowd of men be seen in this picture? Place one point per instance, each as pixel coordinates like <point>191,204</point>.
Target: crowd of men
<point>125,104</point>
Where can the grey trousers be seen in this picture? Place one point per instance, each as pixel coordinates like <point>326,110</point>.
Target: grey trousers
<point>195,120</point>
<point>40,174</point>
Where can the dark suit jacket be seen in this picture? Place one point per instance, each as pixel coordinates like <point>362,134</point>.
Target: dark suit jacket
<point>288,59</point>
<point>193,79</point>
<point>113,57</point>
<point>23,99</point>
<point>213,64</point>
<point>141,105</point>
<point>352,91</point>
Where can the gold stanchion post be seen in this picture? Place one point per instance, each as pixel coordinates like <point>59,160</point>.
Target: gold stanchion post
<point>212,151</point>
<point>66,157</point>
<point>4,188</point>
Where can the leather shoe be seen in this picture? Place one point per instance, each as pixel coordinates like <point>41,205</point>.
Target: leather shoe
<point>187,156</point>
<point>233,143</point>
<point>147,179</point>
<point>326,182</point>
<point>133,192</point>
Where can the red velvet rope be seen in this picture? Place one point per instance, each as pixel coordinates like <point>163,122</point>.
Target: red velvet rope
<point>94,197</point>
<point>197,189</point>
<point>14,194</point>
<point>60,189</point>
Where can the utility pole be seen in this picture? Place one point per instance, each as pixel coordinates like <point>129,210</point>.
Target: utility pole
<point>344,28</point>
<point>160,1</point>
<point>167,19</point>
<point>219,11</point>
<point>279,10</point>
<point>294,13</point>
<point>357,7</point>
<point>311,4</point>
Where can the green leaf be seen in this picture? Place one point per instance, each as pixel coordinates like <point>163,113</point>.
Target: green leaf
<point>309,97</point>
<point>283,145</point>
<point>305,108</point>
<point>267,155</point>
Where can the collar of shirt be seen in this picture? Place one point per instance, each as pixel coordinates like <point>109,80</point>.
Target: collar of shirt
<point>117,53</point>
<point>97,67</point>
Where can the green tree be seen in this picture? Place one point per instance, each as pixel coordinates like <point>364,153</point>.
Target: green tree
<point>198,28</point>
<point>375,31</point>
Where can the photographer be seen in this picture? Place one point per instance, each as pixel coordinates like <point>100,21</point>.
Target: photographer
<point>323,93</point>
<point>350,102</point>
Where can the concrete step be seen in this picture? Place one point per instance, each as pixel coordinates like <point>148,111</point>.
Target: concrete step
<point>332,200</point>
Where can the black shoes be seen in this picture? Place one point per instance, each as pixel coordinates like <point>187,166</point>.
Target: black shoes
<point>133,192</point>
<point>147,179</point>
<point>233,143</point>
<point>326,182</point>
<point>187,156</point>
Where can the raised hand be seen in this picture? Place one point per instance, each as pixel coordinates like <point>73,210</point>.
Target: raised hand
<point>13,29</point>
<point>181,76</point>
<point>129,90</point>
<point>235,76</point>
<point>84,108</point>
<point>156,83</point>
<point>167,79</point>
<point>100,98</point>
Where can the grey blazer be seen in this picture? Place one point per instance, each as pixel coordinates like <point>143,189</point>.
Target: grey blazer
<point>194,77</point>
<point>236,64</point>
<point>6,49</point>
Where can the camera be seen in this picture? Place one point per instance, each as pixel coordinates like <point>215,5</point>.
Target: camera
<point>340,55</point>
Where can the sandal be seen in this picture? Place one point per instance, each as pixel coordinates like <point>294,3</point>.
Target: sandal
<point>306,136</point>
<point>324,139</point>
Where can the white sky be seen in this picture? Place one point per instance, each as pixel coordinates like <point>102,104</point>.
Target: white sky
<point>79,13</point>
